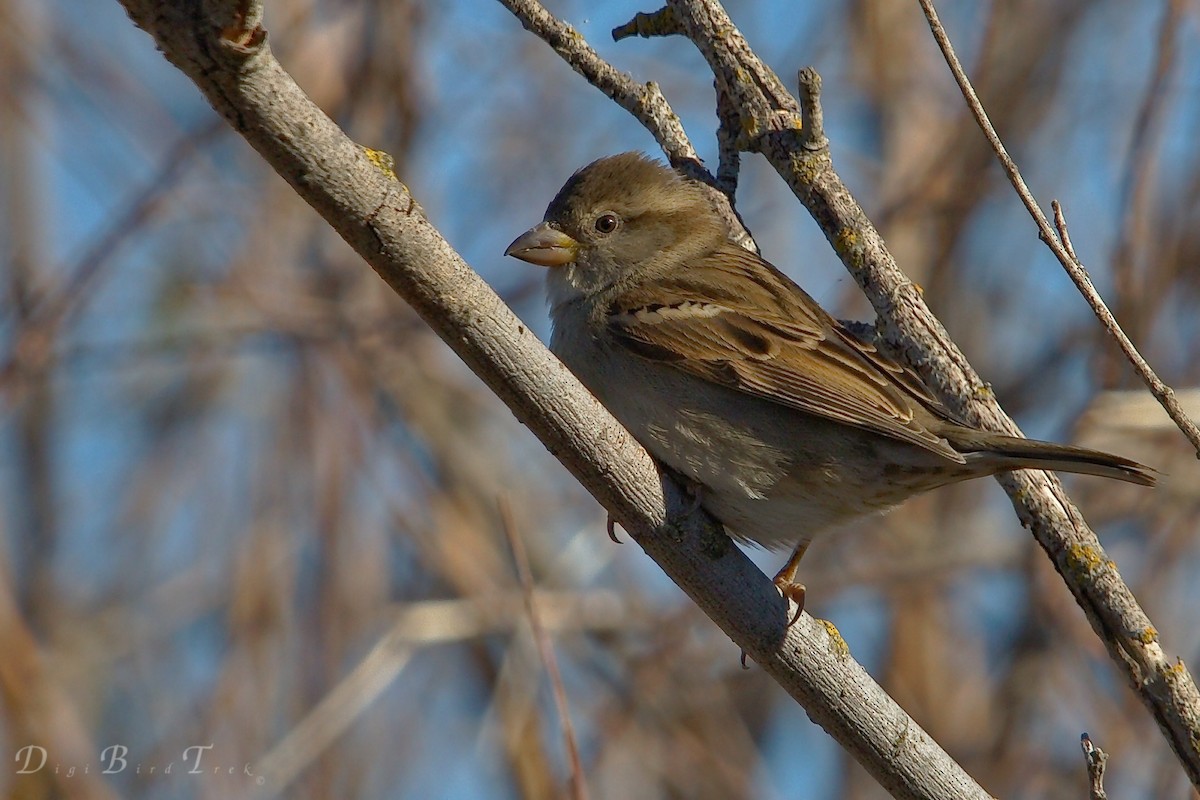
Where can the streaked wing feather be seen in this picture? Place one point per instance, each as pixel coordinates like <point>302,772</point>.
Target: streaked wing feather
<point>735,320</point>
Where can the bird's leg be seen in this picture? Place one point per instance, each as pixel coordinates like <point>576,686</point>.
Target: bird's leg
<point>785,579</point>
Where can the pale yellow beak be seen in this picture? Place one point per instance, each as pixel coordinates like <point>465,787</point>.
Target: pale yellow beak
<point>545,246</point>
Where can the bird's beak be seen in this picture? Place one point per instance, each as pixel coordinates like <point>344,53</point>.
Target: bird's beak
<point>545,246</point>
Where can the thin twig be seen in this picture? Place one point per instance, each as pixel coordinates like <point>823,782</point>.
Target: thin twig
<point>664,22</point>
<point>1096,760</point>
<point>545,650</point>
<point>813,137</point>
<point>729,165</point>
<point>645,101</point>
<point>1075,269</point>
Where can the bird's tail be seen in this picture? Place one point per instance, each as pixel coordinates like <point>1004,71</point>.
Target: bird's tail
<point>1010,452</point>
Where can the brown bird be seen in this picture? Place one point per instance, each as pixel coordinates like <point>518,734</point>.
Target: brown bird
<point>733,377</point>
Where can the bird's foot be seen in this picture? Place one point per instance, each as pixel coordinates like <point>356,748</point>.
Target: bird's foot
<point>793,591</point>
<point>789,587</point>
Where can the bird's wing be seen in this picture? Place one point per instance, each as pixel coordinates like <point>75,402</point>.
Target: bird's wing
<point>733,319</point>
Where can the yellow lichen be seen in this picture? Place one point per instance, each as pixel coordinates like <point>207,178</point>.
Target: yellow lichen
<point>840,648</point>
<point>846,240</point>
<point>1148,636</point>
<point>382,161</point>
<point>805,169</point>
<point>1084,558</point>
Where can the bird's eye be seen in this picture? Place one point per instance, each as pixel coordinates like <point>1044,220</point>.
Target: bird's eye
<point>606,223</point>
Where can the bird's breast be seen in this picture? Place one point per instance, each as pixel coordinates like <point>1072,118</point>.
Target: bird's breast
<point>697,428</point>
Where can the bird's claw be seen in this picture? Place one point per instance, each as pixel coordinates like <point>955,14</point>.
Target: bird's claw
<point>611,526</point>
<point>793,591</point>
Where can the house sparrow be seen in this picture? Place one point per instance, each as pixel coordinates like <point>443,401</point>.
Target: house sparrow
<point>733,377</point>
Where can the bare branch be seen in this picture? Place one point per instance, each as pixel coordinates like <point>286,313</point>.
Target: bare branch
<point>1162,392</point>
<point>809,83</point>
<point>545,651</point>
<point>1096,760</point>
<point>663,22</point>
<point>644,101</point>
<point>1076,270</point>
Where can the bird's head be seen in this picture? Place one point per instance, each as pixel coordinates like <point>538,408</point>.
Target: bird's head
<point>616,221</point>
